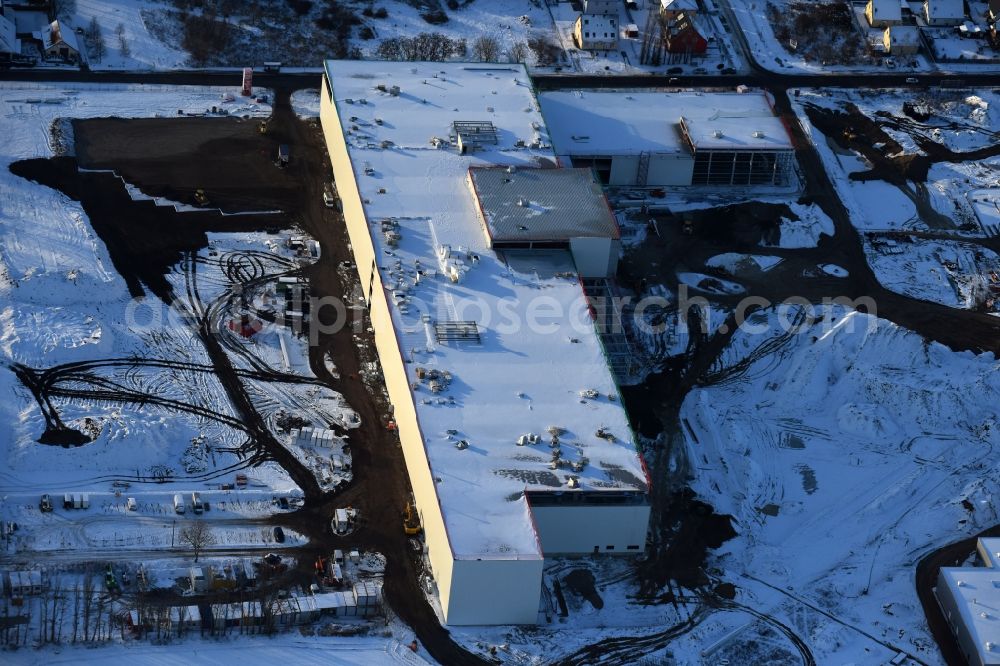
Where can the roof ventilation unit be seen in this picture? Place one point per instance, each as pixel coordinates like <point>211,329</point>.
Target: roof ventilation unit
<point>758,134</point>
<point>717,134</point>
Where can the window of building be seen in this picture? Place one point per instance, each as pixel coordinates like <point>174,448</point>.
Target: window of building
<point>632,547</point>
<point>609,548</point>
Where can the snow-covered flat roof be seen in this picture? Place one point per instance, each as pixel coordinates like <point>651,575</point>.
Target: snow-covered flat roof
<point>990,548</point>
<point>537,348</point>
<point>977,593</point>
<point>621,122</point>
<point>542,204</point>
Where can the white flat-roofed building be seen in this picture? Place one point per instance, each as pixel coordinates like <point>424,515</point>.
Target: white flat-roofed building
<point>515,441</point>
<point>655,139</point>
<point>970,600</point>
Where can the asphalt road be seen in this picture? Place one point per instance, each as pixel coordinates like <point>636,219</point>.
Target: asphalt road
<point>759,77</point>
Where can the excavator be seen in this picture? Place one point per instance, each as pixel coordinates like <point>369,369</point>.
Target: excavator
<point>411,523</point>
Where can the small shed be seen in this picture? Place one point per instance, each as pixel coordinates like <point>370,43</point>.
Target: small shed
<point>25,583</point>
<point>199,579</point>
<point>882,13</point>
<point>596,32</point>
<point>901,39</point>
<point>185,617</point>
<point>341,521</point>
<point>631,31</point>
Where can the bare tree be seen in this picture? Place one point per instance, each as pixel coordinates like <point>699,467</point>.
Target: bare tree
<point>96,39</point>
<point>486,48</point>
<point>518,52</point>
<point>198,536</point>
<point>122,41</point>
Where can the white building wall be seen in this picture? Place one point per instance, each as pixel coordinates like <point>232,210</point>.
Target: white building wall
<point>665,170</point>
<point>570,530</point>
<point>949,607</point>
<point>623,170</point>
<point>669,169</point>
<point>595,257</point>
<point>495,591</point>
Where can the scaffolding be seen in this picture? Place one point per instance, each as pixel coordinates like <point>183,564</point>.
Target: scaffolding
<point>607,313</point>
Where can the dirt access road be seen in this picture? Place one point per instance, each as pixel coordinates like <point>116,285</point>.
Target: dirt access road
<point>233,163</point>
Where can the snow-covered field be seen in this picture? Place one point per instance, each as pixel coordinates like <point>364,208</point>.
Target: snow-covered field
<point>142,49</point>
<point>843,457</point>
<point>62,302</point>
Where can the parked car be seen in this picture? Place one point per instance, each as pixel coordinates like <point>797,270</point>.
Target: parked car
<point>911,79</point>
<point>279,535</point>
<point>675,70</point>
<point>131,505</point>
<point>46,504</point>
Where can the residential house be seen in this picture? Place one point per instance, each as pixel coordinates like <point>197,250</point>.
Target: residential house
<point>883,13</point>
<point>944,12</point>
<point>601,7</point>
<point>596,32</point>
<point>901,40</point>
<point>682,37</point>
<point>671,9</point>
<point>59,43</point>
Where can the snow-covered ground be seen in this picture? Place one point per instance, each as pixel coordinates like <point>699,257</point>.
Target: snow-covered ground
<point>960,275</point>
<point>249,650</point>
<point>844,456</point>
<point>957,120</point>
<point>804,231</point>
<point>142,49</point>
<point>62,302</point>
<point>305,103</point>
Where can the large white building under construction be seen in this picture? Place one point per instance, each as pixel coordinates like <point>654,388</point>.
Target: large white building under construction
<point>662,139</point>
<point>470,245</point>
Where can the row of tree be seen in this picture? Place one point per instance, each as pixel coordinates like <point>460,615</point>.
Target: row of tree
<point>436,47</point>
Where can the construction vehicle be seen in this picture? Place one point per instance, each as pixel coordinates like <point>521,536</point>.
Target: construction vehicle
<point>411,523</point>
<point>200,198</point>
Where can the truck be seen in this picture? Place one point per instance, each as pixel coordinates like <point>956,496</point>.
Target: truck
<point>178,503</point>
<point>46,504</point>
<point>196,504</point>
<point>85,501</point>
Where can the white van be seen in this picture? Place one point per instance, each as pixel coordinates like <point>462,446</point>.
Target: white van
<point>131,505</point>
<point>179,503</point>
